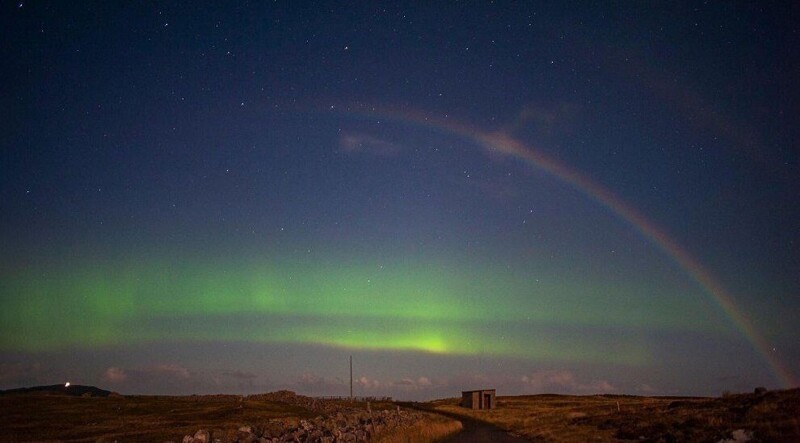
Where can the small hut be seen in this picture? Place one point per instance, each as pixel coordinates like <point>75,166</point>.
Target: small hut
<point>481,399</point>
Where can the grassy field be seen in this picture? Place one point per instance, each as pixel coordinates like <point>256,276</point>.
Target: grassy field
<point>56,417</point>
<point>770,416</point>
<point>774,416</point>
<point>43,417</point>
<point>433,428</point>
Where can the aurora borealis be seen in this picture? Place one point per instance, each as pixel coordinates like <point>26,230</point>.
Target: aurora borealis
<point>398,308</point>
<point>235,198</point>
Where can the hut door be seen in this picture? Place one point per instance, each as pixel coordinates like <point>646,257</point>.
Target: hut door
<point>487,401</point>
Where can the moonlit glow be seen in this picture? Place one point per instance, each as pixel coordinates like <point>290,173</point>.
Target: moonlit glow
<point>457,195</point>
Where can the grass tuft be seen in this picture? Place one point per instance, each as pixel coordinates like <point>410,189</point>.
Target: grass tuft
<point>769,416</point>
<point>433,428</point>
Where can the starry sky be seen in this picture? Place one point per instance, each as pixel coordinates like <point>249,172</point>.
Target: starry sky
<point>235,197</point>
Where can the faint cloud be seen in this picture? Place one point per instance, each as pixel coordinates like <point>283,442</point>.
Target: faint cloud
<point>318,385</point>
<point>564,381</point>
<point>645,388</point>
<point>310,378</point>
<point>314,384</point>
<point>703,111</point>
<point>158,378</point>
<point>415,384</point>
<point>367,144</point>
<point>600,386</point>
<point>241,375</point>
<point>545,379</point>
<point>115,375</point>
<point>547,120</point>
<point>412,387</point>
<point>168,370</point>
<point>368,383</point>
<point>19,373</point>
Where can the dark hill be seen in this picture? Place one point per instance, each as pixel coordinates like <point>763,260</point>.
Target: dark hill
<point>72,390</point>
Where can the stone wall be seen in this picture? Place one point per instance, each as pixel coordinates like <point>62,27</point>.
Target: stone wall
<point>337,423</point>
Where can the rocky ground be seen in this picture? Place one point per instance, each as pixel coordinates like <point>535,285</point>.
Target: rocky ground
<point>337,422</point>
<point>759,416</point>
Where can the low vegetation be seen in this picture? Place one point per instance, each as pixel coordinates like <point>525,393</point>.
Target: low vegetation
<point>764,416</point>
<point>283,415</point>
<point>37,417</point>
<point>432,428</point>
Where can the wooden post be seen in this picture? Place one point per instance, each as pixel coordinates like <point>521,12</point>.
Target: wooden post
<point>351,378</point>
<point>371,421</point>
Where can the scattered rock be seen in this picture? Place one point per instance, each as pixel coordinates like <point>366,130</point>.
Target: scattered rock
<point>738,436</point>
<point>337,423</point>
<point>201,436</point>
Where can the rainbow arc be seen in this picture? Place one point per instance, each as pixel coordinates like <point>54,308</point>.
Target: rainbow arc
<point>505,144</point>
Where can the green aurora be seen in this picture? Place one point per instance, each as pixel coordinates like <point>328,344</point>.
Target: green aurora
<point>424,307</point>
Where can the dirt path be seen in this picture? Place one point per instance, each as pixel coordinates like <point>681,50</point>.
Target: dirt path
<point>482,432</point>
<point>474,431</point>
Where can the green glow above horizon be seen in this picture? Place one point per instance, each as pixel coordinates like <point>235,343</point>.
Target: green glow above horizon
<point>397,307</point>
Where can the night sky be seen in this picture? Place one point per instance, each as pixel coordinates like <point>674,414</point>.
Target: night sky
<point>235,197</point>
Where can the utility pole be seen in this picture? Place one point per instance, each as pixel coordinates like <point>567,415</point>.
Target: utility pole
<point>351,378</point>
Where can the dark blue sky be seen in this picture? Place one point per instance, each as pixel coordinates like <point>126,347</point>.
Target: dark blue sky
<point>265,165</point>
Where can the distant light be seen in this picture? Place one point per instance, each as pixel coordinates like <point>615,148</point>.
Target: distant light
<point>66,385</point>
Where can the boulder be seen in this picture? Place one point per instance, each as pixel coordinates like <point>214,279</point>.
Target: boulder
<point>201,436</point>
